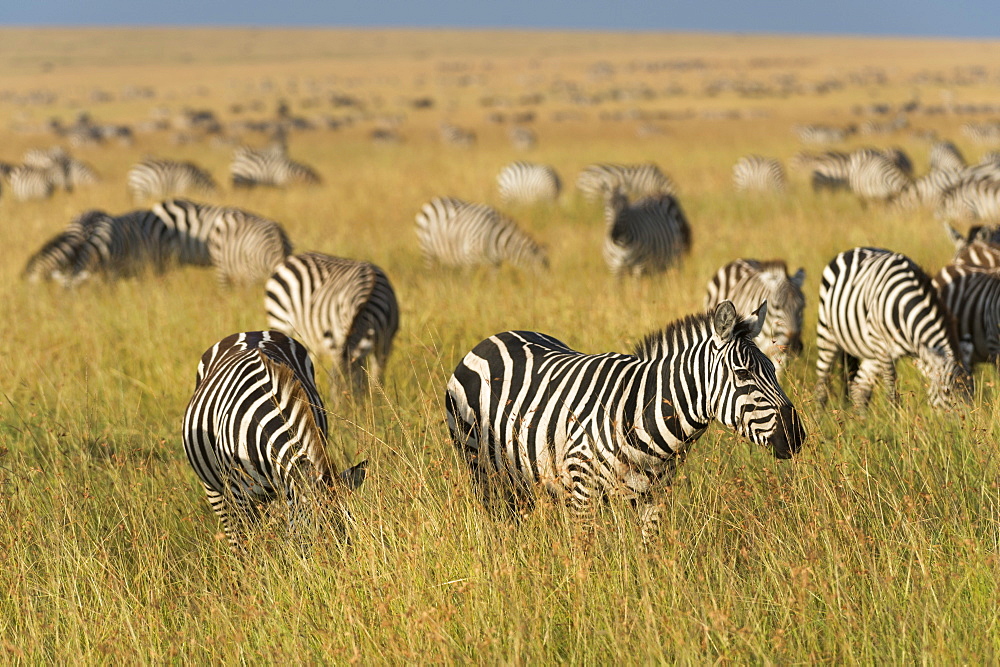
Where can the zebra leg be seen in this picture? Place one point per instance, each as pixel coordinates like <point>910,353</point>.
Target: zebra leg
<point>234,516</point>
<point>649,519</point>
<point>861,385</point>
<point>889,380</point>
<point>827,356</point>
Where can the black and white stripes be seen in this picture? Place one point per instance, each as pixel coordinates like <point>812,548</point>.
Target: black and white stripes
<point>255,431</point>
<point>269,167</point>
<point>156,179</point>
<point>345,311</point>
<point>527,183</point>
<point>644,237</point>
<point>876,306</point>
<point>526,412</point>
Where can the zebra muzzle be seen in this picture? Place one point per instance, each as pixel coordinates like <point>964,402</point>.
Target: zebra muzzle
<point>789,434</point>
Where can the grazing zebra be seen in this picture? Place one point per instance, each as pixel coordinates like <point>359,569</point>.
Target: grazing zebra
<point>748,282</point>
<point>341,309</point>
<point>456,233</point>
<point>638,180</point>
<point>828,171</point>
<point>124,246</point>
<point>877,306</point>
<point>872,176</point>
<point>645,237</point>
<point>269,166</point>
<point>527,183</point>
<point>971,200</point>
<point>758,174</point>
<point>59,258</point>
<point>972,295</point>
<point>945,156</point>
<point>526,411</point>
<point>243,247</point>
<point>55,161</point>
<point>27,182</point>
<point>457,136</point>
<point>255,430</point>
<point>157,179</point>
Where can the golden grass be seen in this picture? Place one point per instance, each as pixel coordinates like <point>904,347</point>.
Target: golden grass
<point>878,543</point>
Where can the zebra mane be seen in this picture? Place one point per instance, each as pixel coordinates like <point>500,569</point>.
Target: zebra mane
<point>685,332</point>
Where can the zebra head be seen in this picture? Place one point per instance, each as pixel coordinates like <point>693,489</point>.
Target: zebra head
<point>748,397</point>
<point>783,325</point>
<point>950,380</point>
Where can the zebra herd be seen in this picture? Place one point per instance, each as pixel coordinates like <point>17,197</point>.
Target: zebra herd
<point>527,413</point>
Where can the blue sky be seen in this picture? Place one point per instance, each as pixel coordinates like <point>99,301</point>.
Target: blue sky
<point>957,18</point>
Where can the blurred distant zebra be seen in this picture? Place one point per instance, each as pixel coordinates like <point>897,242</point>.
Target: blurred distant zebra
<point>268,167</point>
<point>527,182</point>
<point>457,136</point>
<point>645,237</point>
<point>758,174</point>
<point>982,133</point>
<point>155,179</point>
<point>877,306</point>
<point>27,182</point>
<point>453,232</point>
<point>748,283</point>
<point>242,246</point>
<point>928,189</point>
<point>828,171</point>
<point>872,176</point>
<point>640,180</point>
<point>971,200</point>
<point>255,431</point>
<point>59,258</point>
<point>822,134</point>
<point>522,138</point>
<point>945,156</point>
<point>528,414</point>
<point>972,295</point>
<point>55,161</point>
<point>341,309</point>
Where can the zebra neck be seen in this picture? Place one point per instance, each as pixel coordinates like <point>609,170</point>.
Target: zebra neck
<point>683,407</point>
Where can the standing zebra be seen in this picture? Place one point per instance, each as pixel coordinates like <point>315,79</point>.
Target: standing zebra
<point>872,176</point>
<point>877,306</point>
<point>648,236</point>
<point>828,171</point>
<point>526,411</point>
<point>27,182</point>
<point>268,166</point>
<point>527,183</point>
<point>636,180</point>
<point>156,179</point>
<point>457,233</point>
<point>342,309</point>
<point>255,430</point>
<point>972,295</point>
<point>747,282</point>
<point>758,174</point>
<point>975,200</point>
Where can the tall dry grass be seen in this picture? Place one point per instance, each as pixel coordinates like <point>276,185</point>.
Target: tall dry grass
<point>878,543</point>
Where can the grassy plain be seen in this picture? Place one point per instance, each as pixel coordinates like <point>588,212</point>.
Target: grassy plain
<point>878,543</point>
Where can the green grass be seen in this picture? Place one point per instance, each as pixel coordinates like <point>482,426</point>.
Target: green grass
<point>878,543</point>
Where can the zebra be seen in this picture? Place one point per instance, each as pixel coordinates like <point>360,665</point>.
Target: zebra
<point>747,282</point>
<point>872,176</point>
<point>636,180</point>
<point>877,306</point>
<point>928,189</point>
<point>243,247</point>
<point>526,411</point>
<point>457,136</point>
<point>972,295</point>
<point>980,247</point>
<point>157,179</point>
<point>457,233</point>
<point>828,171</point>
<point>971,199</point>
<point>342,309</point>
<point>59,258</point>
<point>269,166</point>
<point>760,174</point>
<point>522,138</point>
<point>80,173</point>
<point>255,430</point>
<point>644,237</point>
<point>527,182</point>
<point>123,246</point>
<point>823,134</point>
<point>945,156</point>
<point>55,161</point>
<point>28,183</point>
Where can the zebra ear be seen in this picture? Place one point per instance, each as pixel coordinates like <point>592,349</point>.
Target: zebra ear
<point>354,476</point>
<point>723,321</point>
<point>955,237</point>
<point>761,315</point>
<point>799,278</point>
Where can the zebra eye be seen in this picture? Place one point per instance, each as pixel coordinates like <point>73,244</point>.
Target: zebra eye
<point>743,375</point>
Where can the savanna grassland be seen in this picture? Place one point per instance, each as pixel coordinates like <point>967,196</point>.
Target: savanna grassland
<point>879,542</point>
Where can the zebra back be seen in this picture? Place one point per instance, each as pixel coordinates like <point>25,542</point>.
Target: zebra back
<point>971,200</point>
<point>636,180</point>
<point>457,233</point>
<point>945,156</point>
<point>527,182</point>
<point>269,167</point>
<point>758,174</point>
<point>155,178</point>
